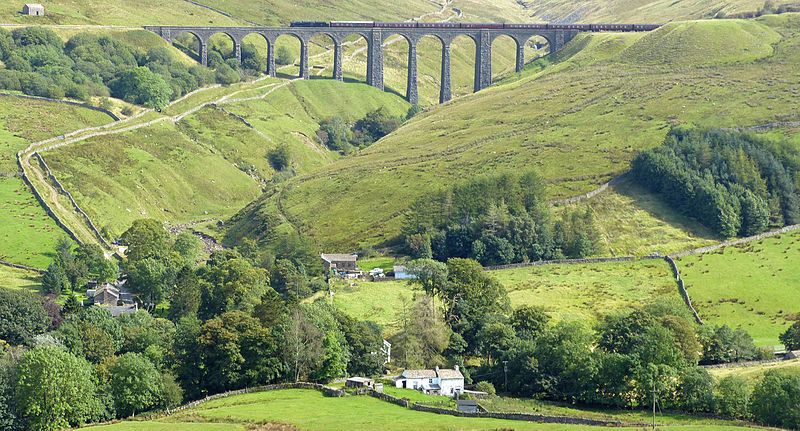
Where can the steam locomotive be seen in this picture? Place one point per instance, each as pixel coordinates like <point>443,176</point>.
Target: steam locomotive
<point>478,26</point>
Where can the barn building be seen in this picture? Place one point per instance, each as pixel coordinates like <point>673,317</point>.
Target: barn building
<point>435,382</point>
<point>33,9</point>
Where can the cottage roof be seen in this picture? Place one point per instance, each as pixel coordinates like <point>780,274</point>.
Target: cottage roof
<point>33,5</point>
<point>107,288</point>
<point>334,257</point>
<point>419,374</point>
<point>450,374</point>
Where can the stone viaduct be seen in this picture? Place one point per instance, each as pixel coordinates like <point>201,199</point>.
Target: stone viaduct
<point>557,37</point>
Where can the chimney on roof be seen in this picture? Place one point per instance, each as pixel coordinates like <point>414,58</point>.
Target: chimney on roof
<point>455,367</point>
<point>436,369</point>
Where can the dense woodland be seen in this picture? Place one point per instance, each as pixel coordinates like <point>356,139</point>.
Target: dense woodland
<point>497,220</point>
<point>235,320</point>
<point>38,62</point>
<point>734,183</point>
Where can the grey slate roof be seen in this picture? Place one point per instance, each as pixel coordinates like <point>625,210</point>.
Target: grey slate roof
<point>333,257</point>
<point>418,374</point>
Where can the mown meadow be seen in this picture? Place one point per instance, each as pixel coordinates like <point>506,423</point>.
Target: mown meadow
<point>289,408</point>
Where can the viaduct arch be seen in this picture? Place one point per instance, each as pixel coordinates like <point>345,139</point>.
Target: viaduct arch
<point>482,34</point>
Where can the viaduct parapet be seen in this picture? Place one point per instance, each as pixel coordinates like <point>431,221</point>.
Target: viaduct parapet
<point>556,35</point>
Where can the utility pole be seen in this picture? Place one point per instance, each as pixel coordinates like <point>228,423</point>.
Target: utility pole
<point>654,403</point>
<point>505,376</point>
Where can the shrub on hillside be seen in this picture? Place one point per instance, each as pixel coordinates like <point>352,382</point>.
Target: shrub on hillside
<point>279,158</point>
<point>791,338</point>
<point>283,56</point>
<point>484,386</point>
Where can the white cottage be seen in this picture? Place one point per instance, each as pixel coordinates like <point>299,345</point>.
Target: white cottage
<point>436,381</point>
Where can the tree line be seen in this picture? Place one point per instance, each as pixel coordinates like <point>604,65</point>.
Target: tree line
<point>208,325</point>
<point>496,220</point>
<point>39,63</point>
<point>734,183</point>
<point>616,363</point>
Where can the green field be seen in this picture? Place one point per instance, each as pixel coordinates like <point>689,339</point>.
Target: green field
<point>13,278</point>
<point>578,135</point>
<point>755,286</point>
<point>635,222</point>
<point>754,373</point>
<point>291,408</point>
<point>573,292</point>
<point>588,291</point>
<point>210,164</point>
<point>376,301</point>
<point>27,233</point>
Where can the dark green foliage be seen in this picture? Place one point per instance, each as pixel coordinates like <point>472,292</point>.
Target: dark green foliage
<point>232,283</point>
<point>791,338</point>
<point>734,183</point>
<point>22,317</point>
<point>54,390</point>
<point>497,220</point>
<point>529,322</point>
<point>38,63</point>
<point>339,136</point>
<point>775,400</point>
<point>283,56</point>
<point>733,397</point>
<point>54,280</point>
<point>184,301</point>
<point>722,344</point>
<point>135,384</point>
<point>280,158</point>
<point>143,87</point>
<point>335,134</point>
<point>696,392</point>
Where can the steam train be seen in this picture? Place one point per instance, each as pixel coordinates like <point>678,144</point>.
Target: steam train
<point>480,26</point>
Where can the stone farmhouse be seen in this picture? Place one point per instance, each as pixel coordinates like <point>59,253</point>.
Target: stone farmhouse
<point>340,264</point>
<point>435,382</point>
<point>33,9</point>
<point>112,297</point>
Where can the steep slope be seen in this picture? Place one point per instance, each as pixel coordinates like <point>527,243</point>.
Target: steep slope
<point>636,10</point>
<point>579,122</point>
<point>27,233</point>
<point>210,163</point>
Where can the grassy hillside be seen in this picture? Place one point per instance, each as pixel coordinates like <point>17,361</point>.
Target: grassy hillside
<point>638,10</point>
<point>756,285</point>
<point>582,292</point>
<point>754,373</point>
<point>288,409</point>
<point>634,222</point>
<point>13,278</point>
<point>579,122</point>
<point>27,233</point>
<point>209,164</point>
<point>588,291</point>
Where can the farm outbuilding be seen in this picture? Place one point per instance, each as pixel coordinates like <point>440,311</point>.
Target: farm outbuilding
<point>340,263</point>
<point>359,382</point>
<point>467,406</point>
<point>795,354</point>
<point>33,9</point>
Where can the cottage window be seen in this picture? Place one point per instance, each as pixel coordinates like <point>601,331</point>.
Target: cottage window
<point>430,381</point>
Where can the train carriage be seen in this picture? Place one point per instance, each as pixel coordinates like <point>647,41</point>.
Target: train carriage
<point>526,26</point>
<point>396,24</point>
<point>309,24</point>
<point>438,25</point>
<point>358,24</point>
<point>482,26</point>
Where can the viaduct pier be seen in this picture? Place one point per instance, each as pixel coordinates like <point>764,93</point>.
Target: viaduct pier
<point>483,34</point>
